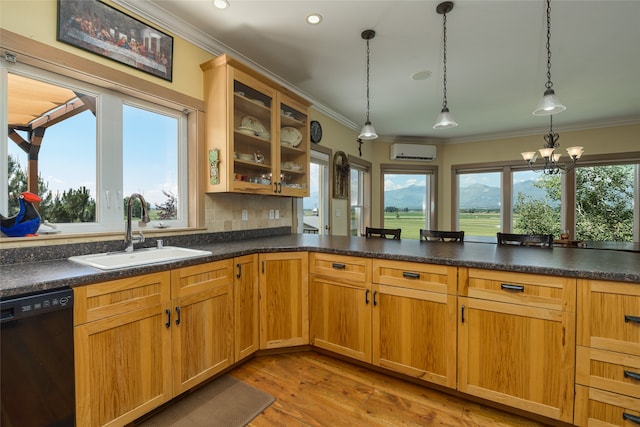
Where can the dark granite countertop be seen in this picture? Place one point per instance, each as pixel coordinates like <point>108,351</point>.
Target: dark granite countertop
<point>28,277</point>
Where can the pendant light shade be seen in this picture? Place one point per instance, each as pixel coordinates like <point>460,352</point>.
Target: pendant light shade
<point>549,104</point>
<point>445,118</point>
<point>368,132</point>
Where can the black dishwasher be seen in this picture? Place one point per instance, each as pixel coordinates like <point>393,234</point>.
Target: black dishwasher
<point>36,364</point>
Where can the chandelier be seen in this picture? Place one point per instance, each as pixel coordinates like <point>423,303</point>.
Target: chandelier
<point>552,165</point>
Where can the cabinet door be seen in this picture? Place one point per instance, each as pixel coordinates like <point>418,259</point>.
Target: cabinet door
<point>341,317</point>
<point>284,299</point>
<point>609,316</point>
<point>293,149</point>
<point>517,355</point>
<point>122,361</point>
<point>414,332</point>
<point>246,298</point>
<point>202,330</point>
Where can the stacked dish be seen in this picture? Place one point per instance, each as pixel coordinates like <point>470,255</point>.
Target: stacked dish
<point>249,125</point>
<point>291,136</point>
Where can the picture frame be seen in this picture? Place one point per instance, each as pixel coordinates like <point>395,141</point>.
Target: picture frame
<point>96,27</point>
<point>341,175</point>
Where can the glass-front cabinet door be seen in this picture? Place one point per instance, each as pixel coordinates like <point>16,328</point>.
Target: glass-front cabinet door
<point>257,132</point>
<point>253,136</point>
<point>293,152</point>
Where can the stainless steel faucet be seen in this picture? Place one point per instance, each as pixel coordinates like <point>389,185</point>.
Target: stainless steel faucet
<point>129,239</point>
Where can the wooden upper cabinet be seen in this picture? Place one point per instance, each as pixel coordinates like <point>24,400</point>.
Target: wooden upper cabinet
<point>257,132</point>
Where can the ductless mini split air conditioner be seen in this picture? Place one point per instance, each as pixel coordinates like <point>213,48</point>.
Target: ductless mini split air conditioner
<point>414,152</point>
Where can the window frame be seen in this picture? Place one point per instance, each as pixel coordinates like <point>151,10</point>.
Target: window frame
<point>363,168</point>
<point>432,173</point>
<point>109,214</point>
<point>568,182</point>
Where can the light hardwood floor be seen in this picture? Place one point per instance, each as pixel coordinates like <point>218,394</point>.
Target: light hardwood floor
<point>317,390</point>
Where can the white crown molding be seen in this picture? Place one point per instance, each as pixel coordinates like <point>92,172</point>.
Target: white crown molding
<point>169,22</point>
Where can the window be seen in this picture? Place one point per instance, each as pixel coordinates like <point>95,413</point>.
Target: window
<point>536,203</point>
<point>91,148</point>
<point>598,201</point>
<point>479,203</point>
<point>359,195</point>
<point>408,199</point>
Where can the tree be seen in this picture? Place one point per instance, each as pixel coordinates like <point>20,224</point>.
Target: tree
<point>604,205</point>
<point>168,209</point>
<point>18,184</point>
<point>73,206</point>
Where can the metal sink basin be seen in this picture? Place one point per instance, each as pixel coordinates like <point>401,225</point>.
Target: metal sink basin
<point>113,260</point>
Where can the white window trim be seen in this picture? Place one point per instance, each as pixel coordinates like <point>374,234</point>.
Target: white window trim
<point>109,185</point>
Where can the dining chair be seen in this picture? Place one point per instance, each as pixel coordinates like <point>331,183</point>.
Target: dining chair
<point>385,233</point>
<point>441,236</point>
<point>541,240</point>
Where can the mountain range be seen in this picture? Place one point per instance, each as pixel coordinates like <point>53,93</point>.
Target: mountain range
<point>474,196</point>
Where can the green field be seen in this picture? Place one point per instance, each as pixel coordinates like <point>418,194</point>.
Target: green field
<point>473,224</point>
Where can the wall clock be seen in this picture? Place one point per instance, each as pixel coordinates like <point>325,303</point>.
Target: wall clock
<point>316,131</point>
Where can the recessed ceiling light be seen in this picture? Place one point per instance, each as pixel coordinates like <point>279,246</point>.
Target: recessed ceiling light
<point>314,18</point>
<point>221,4</point>
<point>421,75</point>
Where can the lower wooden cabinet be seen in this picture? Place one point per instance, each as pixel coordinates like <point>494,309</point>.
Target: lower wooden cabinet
<point>122,349</point>
<point>340,303</point>
<point>595,407</point>
<point>141,341</point>
<point>202,329</point>
<point>414,320</point>
<point>520,352</point>
<point>608,354</point>
<point>246,303</point>
<point>397,315</point>
<point>284,299</point>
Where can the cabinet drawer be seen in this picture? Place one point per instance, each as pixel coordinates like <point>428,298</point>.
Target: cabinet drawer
<point>340,267</point>
<point>609,316</point>
<point>428,277</point>
<point>202,277</point>
<point>602,408</point>
<point>101,300</point>
<point>608,370</point>
<point>536,290</point>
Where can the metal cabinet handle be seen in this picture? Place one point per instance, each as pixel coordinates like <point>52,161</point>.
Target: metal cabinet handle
<point>633,418</point>
<point>410,275</point>
<point>375,300</point>
<point>507,287</point>
<point>178,313</point>
<point>239,270</point>
<point>634,319</point>
<point>462,313</point>
<point>632,375</point>
<point>338,266</point>
<point>366,296</point>
<point>168,324</point>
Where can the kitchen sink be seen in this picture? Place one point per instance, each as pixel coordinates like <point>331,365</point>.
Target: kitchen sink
<point>113,260</point>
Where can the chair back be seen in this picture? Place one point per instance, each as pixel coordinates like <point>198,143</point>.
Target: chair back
<point>441,236</point>
<point>541,240</point>
<point>384,233</point>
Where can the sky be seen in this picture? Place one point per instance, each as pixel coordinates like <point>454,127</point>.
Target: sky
<point>67,158</point>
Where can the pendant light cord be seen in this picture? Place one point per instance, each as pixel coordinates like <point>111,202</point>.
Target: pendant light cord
<point>549,84</point>
<point>368,52</point>
<point>444,58</point>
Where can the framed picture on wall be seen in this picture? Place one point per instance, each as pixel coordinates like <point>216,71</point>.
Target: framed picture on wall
<point>99,28</point>
<point>341,169</point>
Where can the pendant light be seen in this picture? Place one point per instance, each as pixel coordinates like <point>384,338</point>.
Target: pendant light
<point>368,132</point>
<point>445,119</point>
<point>549,103</point>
